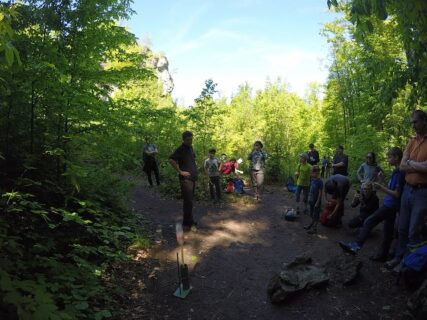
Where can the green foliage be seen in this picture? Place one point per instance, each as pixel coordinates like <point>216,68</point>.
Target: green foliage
<point>7,49</point>
<point>369,17</point>
<point>232,127</point>
<point>66,142</point>
<point>81,96</point>
<point>367,101</point>
<point>52,265</point>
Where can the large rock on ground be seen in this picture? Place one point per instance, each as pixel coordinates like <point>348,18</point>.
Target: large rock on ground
<point>295,278</point>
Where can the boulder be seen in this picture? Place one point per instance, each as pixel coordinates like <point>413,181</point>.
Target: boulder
<point>295,278</point>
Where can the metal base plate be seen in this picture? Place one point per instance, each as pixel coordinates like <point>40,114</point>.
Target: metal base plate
<point>181,293</point>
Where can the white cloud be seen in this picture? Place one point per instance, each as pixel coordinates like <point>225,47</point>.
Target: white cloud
<point>252,65</point>
<point>232,56</point>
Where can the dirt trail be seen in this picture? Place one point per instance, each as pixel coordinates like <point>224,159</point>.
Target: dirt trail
<point>232,257</point>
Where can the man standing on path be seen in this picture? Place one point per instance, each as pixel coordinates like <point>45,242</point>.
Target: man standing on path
<point>340,162</point>
<point>413,208</point>
<point>313,155</point>
<point>183,160</point>
<point>150,163</point>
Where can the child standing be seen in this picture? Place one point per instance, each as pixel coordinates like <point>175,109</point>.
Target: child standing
<point>303,181</point>
<point>314,199</point>
<point>212,165</point>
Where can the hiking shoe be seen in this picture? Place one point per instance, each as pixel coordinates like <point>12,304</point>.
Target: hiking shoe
<point>312,231</point>
<point>308,227</point>
<point>351,247</point>
<point>392,263</point>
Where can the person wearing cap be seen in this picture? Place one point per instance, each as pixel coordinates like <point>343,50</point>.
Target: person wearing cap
<point>303,181</point>
<point>313,155</point>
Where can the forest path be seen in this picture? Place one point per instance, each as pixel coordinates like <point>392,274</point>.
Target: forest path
<point>233,255</point>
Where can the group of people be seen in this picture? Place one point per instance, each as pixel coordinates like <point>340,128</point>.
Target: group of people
<point>310,185</point>
<point>183,160</point>
<point>404,207</point>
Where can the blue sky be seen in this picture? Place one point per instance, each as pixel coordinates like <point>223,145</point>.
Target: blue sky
<point>235,41</point>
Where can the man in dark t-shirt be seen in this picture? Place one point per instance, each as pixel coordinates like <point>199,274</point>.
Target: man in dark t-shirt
<point>313,155</point>
<point>183,160</point>
<point>340,162</point>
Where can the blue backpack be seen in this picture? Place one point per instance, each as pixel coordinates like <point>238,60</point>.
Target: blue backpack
<point>238,186</point>
<point>414,268</point>
<point>290,184</point>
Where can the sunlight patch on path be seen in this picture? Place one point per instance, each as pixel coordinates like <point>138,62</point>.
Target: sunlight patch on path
<point>219,231</point>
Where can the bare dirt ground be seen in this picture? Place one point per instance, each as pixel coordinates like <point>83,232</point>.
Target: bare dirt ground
<point>233,255</point>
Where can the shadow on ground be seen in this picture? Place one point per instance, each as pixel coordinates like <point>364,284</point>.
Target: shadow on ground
<point>232,257</point>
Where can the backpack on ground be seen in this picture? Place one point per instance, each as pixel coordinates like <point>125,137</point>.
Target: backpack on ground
<point>290,214</point>
<point>290,184</point>
<point>414,268</point>
<point>238,186</point>
<point>229,188</point>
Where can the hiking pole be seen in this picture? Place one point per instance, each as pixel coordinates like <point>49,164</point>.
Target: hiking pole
<point>184,280</point>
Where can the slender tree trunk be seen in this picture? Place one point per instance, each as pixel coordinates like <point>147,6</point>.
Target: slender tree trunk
<point>33,105</point>
<point>58,157</point>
